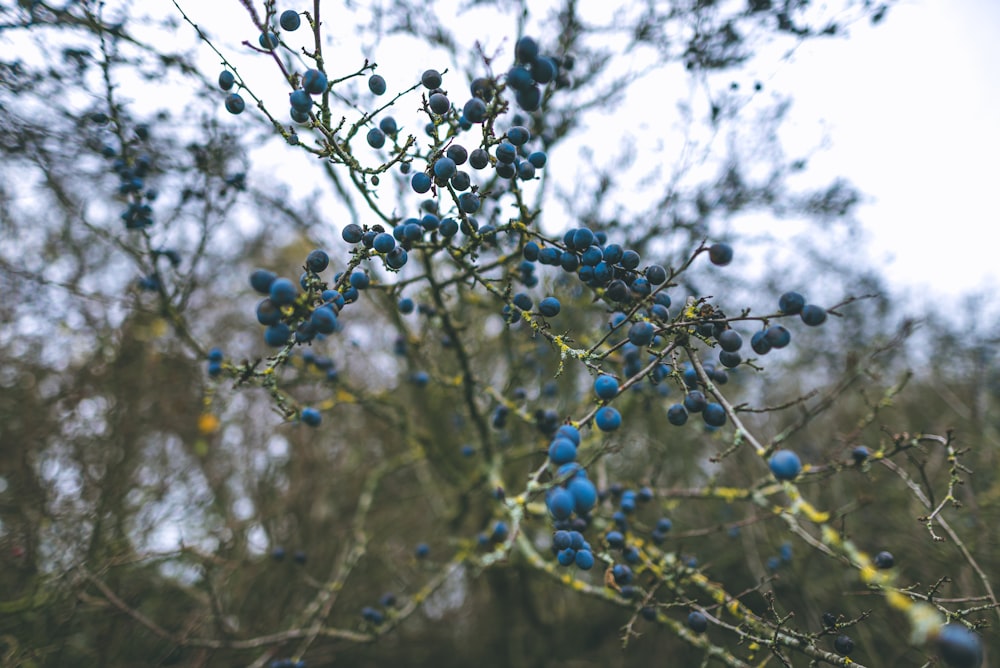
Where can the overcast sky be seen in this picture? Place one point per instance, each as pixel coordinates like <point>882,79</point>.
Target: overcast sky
<point>913,112</point>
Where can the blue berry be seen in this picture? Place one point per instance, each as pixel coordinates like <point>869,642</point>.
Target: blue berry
<point>785,465</point>
<point>235,103</point>
<point>289,20</point>
<point>960,647</point>
<point>469,202</point>
<point>526,50</point>
<point>720,254</point>
<point>677,415</point>
<point>268,41</point>
<point>311,417</point>
<point>277,334</point>
<point>560,503</point>
<point>352,233</point>
<point>431,79</point>
<point>226,79</point>
<point>562,451</point>
<point>388,125</point>
<point>422,550</point>
<point>283,292</point>
<point>300,100</point>
<point>561,540</point>
<point>606,387</point>
<point>376,84</point>
<point>383,242</point>
<point>439,103</point>
<point>607,418</point>
<point>566,557</point>
<point>518,135</point>
<point>759,342</point>
<point>420,182</point>
<point>697,622</point>
<point>584,560</point>
<point>376,138</point>
<point>730,340</point>
<point>843,645</point>
<point>813,315</point>
<point>641,333</point>
<point>570,432</point>
<point>695,401</point>
<point>778,336</point>
<point>538,159</point>
<point>475,111</point>
<point>261,280</point>
<point>314,82</point>
<point>549,307</point>
<point>714,415</point>
<point>317,261</point>
<point>884,560</point>
<point>791,302</point>
<point>584,494</point>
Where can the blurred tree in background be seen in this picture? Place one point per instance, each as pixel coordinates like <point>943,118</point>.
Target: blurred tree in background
<point>166,503</point>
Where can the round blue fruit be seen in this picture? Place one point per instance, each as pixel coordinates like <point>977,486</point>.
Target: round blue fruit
<point>226,79</point>
<point>431,79</point>
<point>549,307</point>
<point>695,401</point>
<point>641,333</point>
<point>300,101</point>
<point>584,494</point>
<point>562,451</point>
<point>314,82</point>
<point>475,112</point>
<point>376,138</point>
<point>277,334</point>
<point>714,415</point>
<point>420,183</point>
<point>791,302</point>
<point>283,292</point>
<point>352,233</point>
<point>960,647</point>
<point>584,560</point>
<point>759,342</point>
<point>843,645</point>
<point>383,242</point>
<point>697,622</point>
<point>311,417</point>
<point>261,280</point>
<point>235,103</point>
<point>439,103</point>
<point>608,418</point>
<point>268,40</point>
<point>317,260</point>
<point>730,340</point>
<point>884,560</point>
<point>289,20</point>
<point>469,202</point>
<point>560,503</point>
<point>570,432</point>
<point>778,336</point>
<point>813,315</point>
<point>720,254</point>
<point>677,415</point>
<point>785,465</point>
<point>606,387</point>
<point>376,84</point>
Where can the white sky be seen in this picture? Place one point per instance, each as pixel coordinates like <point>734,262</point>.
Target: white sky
<point>912,108</point>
